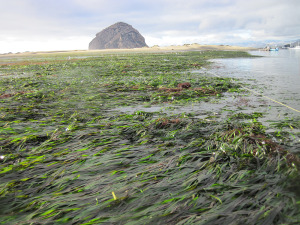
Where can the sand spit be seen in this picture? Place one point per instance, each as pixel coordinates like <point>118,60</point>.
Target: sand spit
<point>186,47</point>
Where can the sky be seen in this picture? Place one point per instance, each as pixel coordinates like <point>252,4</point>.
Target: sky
<point>48,25</point>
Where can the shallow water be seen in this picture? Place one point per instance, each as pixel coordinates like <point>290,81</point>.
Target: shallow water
<point>276,74</point>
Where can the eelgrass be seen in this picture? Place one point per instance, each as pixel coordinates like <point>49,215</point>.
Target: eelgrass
<point>71,158</point>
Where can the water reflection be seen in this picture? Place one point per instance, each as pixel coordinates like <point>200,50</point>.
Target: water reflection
<point>276,73</point>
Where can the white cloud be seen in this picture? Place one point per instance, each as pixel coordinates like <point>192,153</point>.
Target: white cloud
<point>36,22</point>
<point>238,21</point>
<point>47,44</point>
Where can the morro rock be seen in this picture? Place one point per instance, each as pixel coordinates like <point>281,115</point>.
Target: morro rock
<point>118,35</point>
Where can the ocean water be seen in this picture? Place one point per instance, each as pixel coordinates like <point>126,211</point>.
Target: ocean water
<point>275,75</point>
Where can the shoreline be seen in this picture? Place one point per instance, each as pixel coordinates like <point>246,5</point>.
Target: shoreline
<point>155,48</point>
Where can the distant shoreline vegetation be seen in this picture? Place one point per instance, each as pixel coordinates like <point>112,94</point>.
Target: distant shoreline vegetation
<point>185,47</point>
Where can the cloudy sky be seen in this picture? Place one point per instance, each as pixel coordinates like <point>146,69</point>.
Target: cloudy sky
<point>40,25</point>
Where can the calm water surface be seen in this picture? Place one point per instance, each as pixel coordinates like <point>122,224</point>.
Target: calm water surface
<point>276,74</point>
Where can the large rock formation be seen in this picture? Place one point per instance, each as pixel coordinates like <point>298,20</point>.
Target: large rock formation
<point>119,35</point>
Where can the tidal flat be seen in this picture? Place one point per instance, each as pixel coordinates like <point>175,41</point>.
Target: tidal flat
<point>91,138</point>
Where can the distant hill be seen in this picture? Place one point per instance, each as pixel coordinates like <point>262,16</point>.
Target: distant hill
<point>292,43</point>
<point>118,36</point>
<point>283,44</point>
<point>262,44</point>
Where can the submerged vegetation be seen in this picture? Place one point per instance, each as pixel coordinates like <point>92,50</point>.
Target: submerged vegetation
<point>70,156</point>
